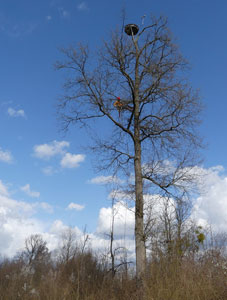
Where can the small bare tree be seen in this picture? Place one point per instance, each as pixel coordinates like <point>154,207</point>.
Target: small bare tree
<point>36,251</point>
<point>116,250</point>
<point>69,246</point>
<point>36,256</point>
<point>136,84</point>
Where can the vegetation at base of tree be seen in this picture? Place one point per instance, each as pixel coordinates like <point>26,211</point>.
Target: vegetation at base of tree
<point>74,271</point>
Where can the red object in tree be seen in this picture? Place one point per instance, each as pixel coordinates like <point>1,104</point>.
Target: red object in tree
<point>118,105</point>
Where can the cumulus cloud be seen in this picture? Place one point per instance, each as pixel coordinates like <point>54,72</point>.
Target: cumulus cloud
<point>58,231</point>
<point>211,206</point>
<point>5,156</point>
<point>29,192</point>
<point>123,220</point>
<point>124,215</point>
<point>72,160</point>
<point>46,151</point>
<point>55,148</point>
<point>17,221</point>
<point>123,230</point>
<point>105,180</point>
<point>208,208</point>
<point>75,206</point>
<point>16,113</point>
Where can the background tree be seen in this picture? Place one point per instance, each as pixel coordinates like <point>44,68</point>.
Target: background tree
<point>36,251</point>
<point>36,255</point>
<point>152,133</point>
<point>170,232</point>
<point>117,252</point>
<point>69,246</point>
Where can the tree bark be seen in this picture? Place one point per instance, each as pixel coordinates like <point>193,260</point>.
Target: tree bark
<point>139,205</point>
<point>139,226</point>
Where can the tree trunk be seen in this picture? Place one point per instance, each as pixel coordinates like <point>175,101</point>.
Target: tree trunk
<point>139,226</point>
<point>139,219</point>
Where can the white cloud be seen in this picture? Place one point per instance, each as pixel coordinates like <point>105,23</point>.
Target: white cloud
<point>72,160</point>
<point>46,151</point>
<point>16,113</point>
<point>82,6</point>
<point>123,231</point>
<point>45,206</point>
<point>49,170</point>
<point>59,230</point>
<point>3,189</point>
<point>124,216</point>
<point>211,206</point>
<point>105,180</point>
<point>75,206</point>
<point>29,192</point>
<point>17,221</point>
<point>123,220</point>
<point>55,148</point>
<point>5,156</point>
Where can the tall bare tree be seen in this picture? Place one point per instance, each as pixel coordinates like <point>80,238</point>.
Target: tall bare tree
<point>136,85</point>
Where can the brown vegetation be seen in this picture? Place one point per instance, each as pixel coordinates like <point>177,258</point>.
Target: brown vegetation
<point>199,275</point>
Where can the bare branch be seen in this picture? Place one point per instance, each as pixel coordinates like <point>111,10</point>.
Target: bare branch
<point>154,122</point>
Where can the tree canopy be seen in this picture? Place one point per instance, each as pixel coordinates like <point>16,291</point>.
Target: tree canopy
<point>139,84</point>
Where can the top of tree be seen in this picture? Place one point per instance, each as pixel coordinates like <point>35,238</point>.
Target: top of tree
<point>158,108</point>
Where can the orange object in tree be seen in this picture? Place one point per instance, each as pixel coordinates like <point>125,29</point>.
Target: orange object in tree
<point>119,105</point>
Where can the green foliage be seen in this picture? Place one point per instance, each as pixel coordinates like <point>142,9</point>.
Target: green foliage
<point>200,235</point>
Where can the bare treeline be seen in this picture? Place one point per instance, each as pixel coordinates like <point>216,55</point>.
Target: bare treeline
<point>74,271</point>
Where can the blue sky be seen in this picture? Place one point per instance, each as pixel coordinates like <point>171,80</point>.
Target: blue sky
<point>44,170</point>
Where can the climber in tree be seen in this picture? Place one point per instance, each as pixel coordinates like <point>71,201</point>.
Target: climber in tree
<point>121,105</point>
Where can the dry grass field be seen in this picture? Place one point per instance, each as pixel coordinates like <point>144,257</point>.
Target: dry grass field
<point>80,275</point>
